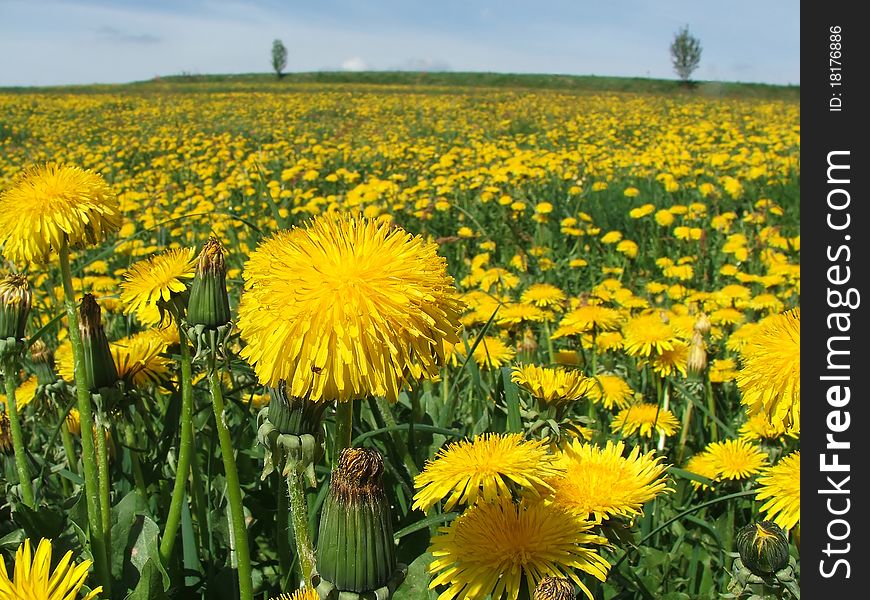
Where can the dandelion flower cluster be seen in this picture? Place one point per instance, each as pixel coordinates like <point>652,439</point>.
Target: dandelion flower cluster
<point>346,308</point>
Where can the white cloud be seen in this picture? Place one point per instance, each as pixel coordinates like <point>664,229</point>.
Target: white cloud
<point>354,64</point>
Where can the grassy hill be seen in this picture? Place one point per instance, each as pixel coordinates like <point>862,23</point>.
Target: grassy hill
<point>417,81</point>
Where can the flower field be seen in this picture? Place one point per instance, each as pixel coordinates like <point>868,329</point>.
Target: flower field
<point>389,341</point>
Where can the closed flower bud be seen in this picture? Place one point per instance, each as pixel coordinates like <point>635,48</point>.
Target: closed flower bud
<point>209,304</point>
<point>763,548</point>
<point>554,588</point>
<point>702,324</point>
<point>15,300</point>
<point>355,549</point>
<point>99,366</point>
<point>43,363</point>
<point>5,434</point>
<point>697,360</point>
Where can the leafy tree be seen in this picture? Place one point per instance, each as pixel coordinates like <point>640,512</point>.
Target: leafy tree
<point>685,54</point>
<point>279,57</point>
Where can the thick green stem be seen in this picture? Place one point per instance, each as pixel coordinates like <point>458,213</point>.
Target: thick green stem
<point>9,375</point>
<point>398,440</point>
<point>299,517</point>
<point>551,355</point>
<point>664,404</point>
<point>200,505</point>
<point>173,519</point>
<point>282,528</point>
<point>684,431</point>
<point>89,463</point>
<point>711,407</point>
<point>234,490</point>
<point>103,474</point>
<point>343,428</point>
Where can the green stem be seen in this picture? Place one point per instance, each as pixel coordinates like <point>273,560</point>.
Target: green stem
<point>282,526</point>
<point>299,516</point>
<point>398,440</point>
<point>343,428</point>
<point>234,490</point>
<point>103,475</point>
<point>200,506</point>
<point>173,519</point>
<point>89,463</point>
<point>664,404</point>
<point>684,431</point>
<point>9,377</point>
<point>138,477</point>
<point>711,406</point>
<point>551,355</point>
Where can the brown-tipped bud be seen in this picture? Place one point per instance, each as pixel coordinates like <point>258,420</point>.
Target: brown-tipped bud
<point>554,588</point>
<point>703,324</point>
<point>15,301</point>
<point>763,547</point>
<point>43,363</point>
<point>697,360</point>
<point>355,548</point>
<point>99,366</point>
<point>209,304</point>
<point>5,434</point>
<point>528,345</point>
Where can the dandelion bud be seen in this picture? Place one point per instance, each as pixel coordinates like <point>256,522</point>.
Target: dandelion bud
<point>697,360</point>
<point>763,547</point>
<point>15,300</point>
<point>554,588</point>
<point>208,310</point>
<point>42,358</point>
<point>355,550</point>
<point>99,366</point>
<point>702,324</point>
<point>5,434</point>
<point>528,345</point>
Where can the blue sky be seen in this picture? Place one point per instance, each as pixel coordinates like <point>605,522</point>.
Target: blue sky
<point>46,42</point>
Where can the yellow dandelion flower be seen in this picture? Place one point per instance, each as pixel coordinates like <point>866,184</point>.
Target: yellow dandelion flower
<point>722,370</point>
<point>490,353</point>
<point>346,308</point>
<point>585,318</point>
<point>726,316</point>
<point>303,594</point>
<point>24,395</point>
<point>140,359</point>
<point>770,379</point>
<point>543,295</point>
<point>610,391</point>
<point>33,578</point>
<point>600,482</point>
<point>670,362</point>
<point>74,422</point>
<point>552,386</point>
<point>611,237</point>
<point>646,419</point>
<point>647,334</point>
<point>516,314</point>
<point>736,459</point>
<point>487,467</point>
<point>758,427</point>
<point>641,211</point>
<point>490,548</point>
<point>152,281</point>
<point>780,485</point>
<point>702,464</point>
<point>51,203</point>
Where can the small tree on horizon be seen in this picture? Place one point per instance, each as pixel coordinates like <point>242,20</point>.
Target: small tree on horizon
<point>685,54</point>
<point>279,57</point>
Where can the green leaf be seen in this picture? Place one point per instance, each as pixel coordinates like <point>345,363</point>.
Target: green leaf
<point>150,586</point>
<point>512,398</point>
<point>424,523</point>
<point>124,516</point>
<point>41,522</point>
<point>416,584</point>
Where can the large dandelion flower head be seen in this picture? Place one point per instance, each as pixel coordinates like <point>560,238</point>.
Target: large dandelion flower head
<point>52,204</point>
<point>600,482</point>
<point>645,419</point>
<point>610,390</point>
<point>736,459</point>
<point>489,549</point>
<point>759,426</point>
<point>648,334</point>
<point>345,308</point>
<point>543,295</point>
<point>491,352</point>
<point>140,359</point>
<point>487,467</point>
<point>770,379</point>
<point>33,578</point>
<point>552,386</point>
<point>780,486</point>
<point>151,283</point>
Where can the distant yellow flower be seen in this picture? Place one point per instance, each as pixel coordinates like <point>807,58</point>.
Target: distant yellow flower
<point>780,485</point>
<point>645,419</point>
<point>664,218</point>
<point>735,459</point>
<point>611,237</point>
<point>758,427</point>
<point>647,334</point>
<point>488,550</point>
<point>770,379</point>
<point>599,482</point>
<point>585,318</point>
<point>515,314</point>
<point>641,211</point>
<point>704,465</point>
<point>552,386</point>
<point>610,391</point>
<point>491,352</point>
<point>487,467</point>
<point>152,281</point>
<point>346,308</point>
<point>50,203</point>
<point>543,295</point>
<point>33,578</point>
<point>627,247</point>
<point>24,395</point>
